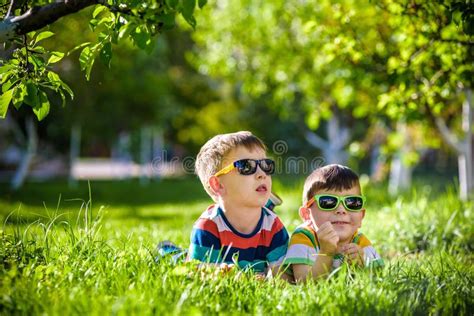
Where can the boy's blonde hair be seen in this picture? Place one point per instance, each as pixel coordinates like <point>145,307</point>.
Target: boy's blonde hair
<point>211,156</point>
<point>330,177</point>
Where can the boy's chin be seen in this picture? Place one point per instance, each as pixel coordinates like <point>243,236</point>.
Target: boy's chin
<point>262,201</point>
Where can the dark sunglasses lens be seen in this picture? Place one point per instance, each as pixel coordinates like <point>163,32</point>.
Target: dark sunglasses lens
<point>268,166</point>
<point>327,202</point>
<point>246,166</point>
<point>354,203</point>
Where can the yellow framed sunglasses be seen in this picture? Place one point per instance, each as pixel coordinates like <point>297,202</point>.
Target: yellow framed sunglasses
<point>249,166</point>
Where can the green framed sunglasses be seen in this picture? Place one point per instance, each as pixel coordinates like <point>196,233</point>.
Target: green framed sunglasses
<point>329,202</point>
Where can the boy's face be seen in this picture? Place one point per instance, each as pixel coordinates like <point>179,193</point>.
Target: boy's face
<point>244,190</point>
<point>344,222</point>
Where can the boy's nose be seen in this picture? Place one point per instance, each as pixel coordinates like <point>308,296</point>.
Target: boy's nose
<point>340,209</point>
<point>260,173</point>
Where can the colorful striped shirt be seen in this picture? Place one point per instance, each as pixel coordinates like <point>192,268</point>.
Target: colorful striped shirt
<point>214,240</point>
<point>304,248</point>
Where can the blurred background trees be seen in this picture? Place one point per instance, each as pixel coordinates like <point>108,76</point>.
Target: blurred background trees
<point>383,86</point>
<point>404,67</point>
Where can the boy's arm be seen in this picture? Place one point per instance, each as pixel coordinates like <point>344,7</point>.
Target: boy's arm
<point>353,253</point>
<point>362,253</point>
<point>320,268</point>
<point>277,251</point>
<point>205,244</point>
<point>328,240</point>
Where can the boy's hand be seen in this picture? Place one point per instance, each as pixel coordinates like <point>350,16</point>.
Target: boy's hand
<point>328,238</point>
<point>225,267</point>
<point>353,253</point>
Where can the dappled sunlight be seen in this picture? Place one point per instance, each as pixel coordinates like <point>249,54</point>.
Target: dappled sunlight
<point>424,237</point>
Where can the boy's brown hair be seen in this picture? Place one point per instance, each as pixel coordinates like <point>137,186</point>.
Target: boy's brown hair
<point>330,177</point>
<point>211,156</point>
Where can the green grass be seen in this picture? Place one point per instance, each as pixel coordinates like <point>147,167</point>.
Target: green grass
<point>60,254</point>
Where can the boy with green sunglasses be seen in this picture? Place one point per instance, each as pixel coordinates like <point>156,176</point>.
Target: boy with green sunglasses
<point>332,211</point>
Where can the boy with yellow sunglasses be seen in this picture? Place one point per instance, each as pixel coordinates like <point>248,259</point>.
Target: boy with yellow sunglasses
<point>239,229</point>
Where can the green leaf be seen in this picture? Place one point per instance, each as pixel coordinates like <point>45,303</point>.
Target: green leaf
<point>78,47</point>
<point>55,57</point>
<point>173,4</point>
<point>63,98</point>
<point>86,59</point>
<point>42,109</point>
<point>188,10</point>
<point>36,61</point>
<point>65,87</point>
<point>56,81</point>
<point>5,99</point>
<point>6,68</point>
<point>468,27</point>
<point>93,24</point>
<point>141,37</point>
<point>19,95</point>
<point>6,76</point>
<point>106,20</point>
<point>31,97</point>
<point>38,50</point>
<point>9,80</point>
<point>53,77</point>
<point>168,21</point>
<point>43,35</point>
<point>202,3</point>
<point>102,37</point>
<point>125,30</point>
<point>98,10</point>
<point>106,54</point>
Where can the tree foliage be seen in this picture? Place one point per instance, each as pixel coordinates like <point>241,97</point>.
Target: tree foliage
<point>26,72</point>
<point>391,59</point>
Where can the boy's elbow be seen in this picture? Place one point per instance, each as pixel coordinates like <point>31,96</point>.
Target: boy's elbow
<point>301,273</point>
<point>300,278</point>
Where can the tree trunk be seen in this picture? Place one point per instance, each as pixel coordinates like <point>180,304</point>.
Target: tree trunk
<point>466,156</point>
<point>376,164</point>
<point>28,156</point>
<point>400,173</point>
<point>332,148</point>
<point>463,148</point>
<point>158,153</point>
<point>145,154</point>
<point>74,152</point>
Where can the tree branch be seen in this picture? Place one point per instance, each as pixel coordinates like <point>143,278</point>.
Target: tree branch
<point>343,138</point>
<point>315,140</point>
<point>10,8</point>
<point>124,10</point>
<point>455,41</point>
<point>39,17</point>
<point>444,131</point>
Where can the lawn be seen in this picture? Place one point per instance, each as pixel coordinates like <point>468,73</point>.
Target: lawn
<point>90,250</point>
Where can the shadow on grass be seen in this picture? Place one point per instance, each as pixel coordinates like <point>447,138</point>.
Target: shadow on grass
<point>113,193</point>
<point>25,218</point>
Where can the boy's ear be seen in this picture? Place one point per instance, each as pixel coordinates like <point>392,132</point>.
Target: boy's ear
<point>305,213</point>
<point>215,185</point>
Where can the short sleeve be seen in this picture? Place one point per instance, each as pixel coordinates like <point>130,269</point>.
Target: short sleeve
<point>204,244</point>
<point>301,250</point>
<point>278,245</point>
<point>371,257</point>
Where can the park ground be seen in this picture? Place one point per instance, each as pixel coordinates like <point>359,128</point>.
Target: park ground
<point>90,250</point>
